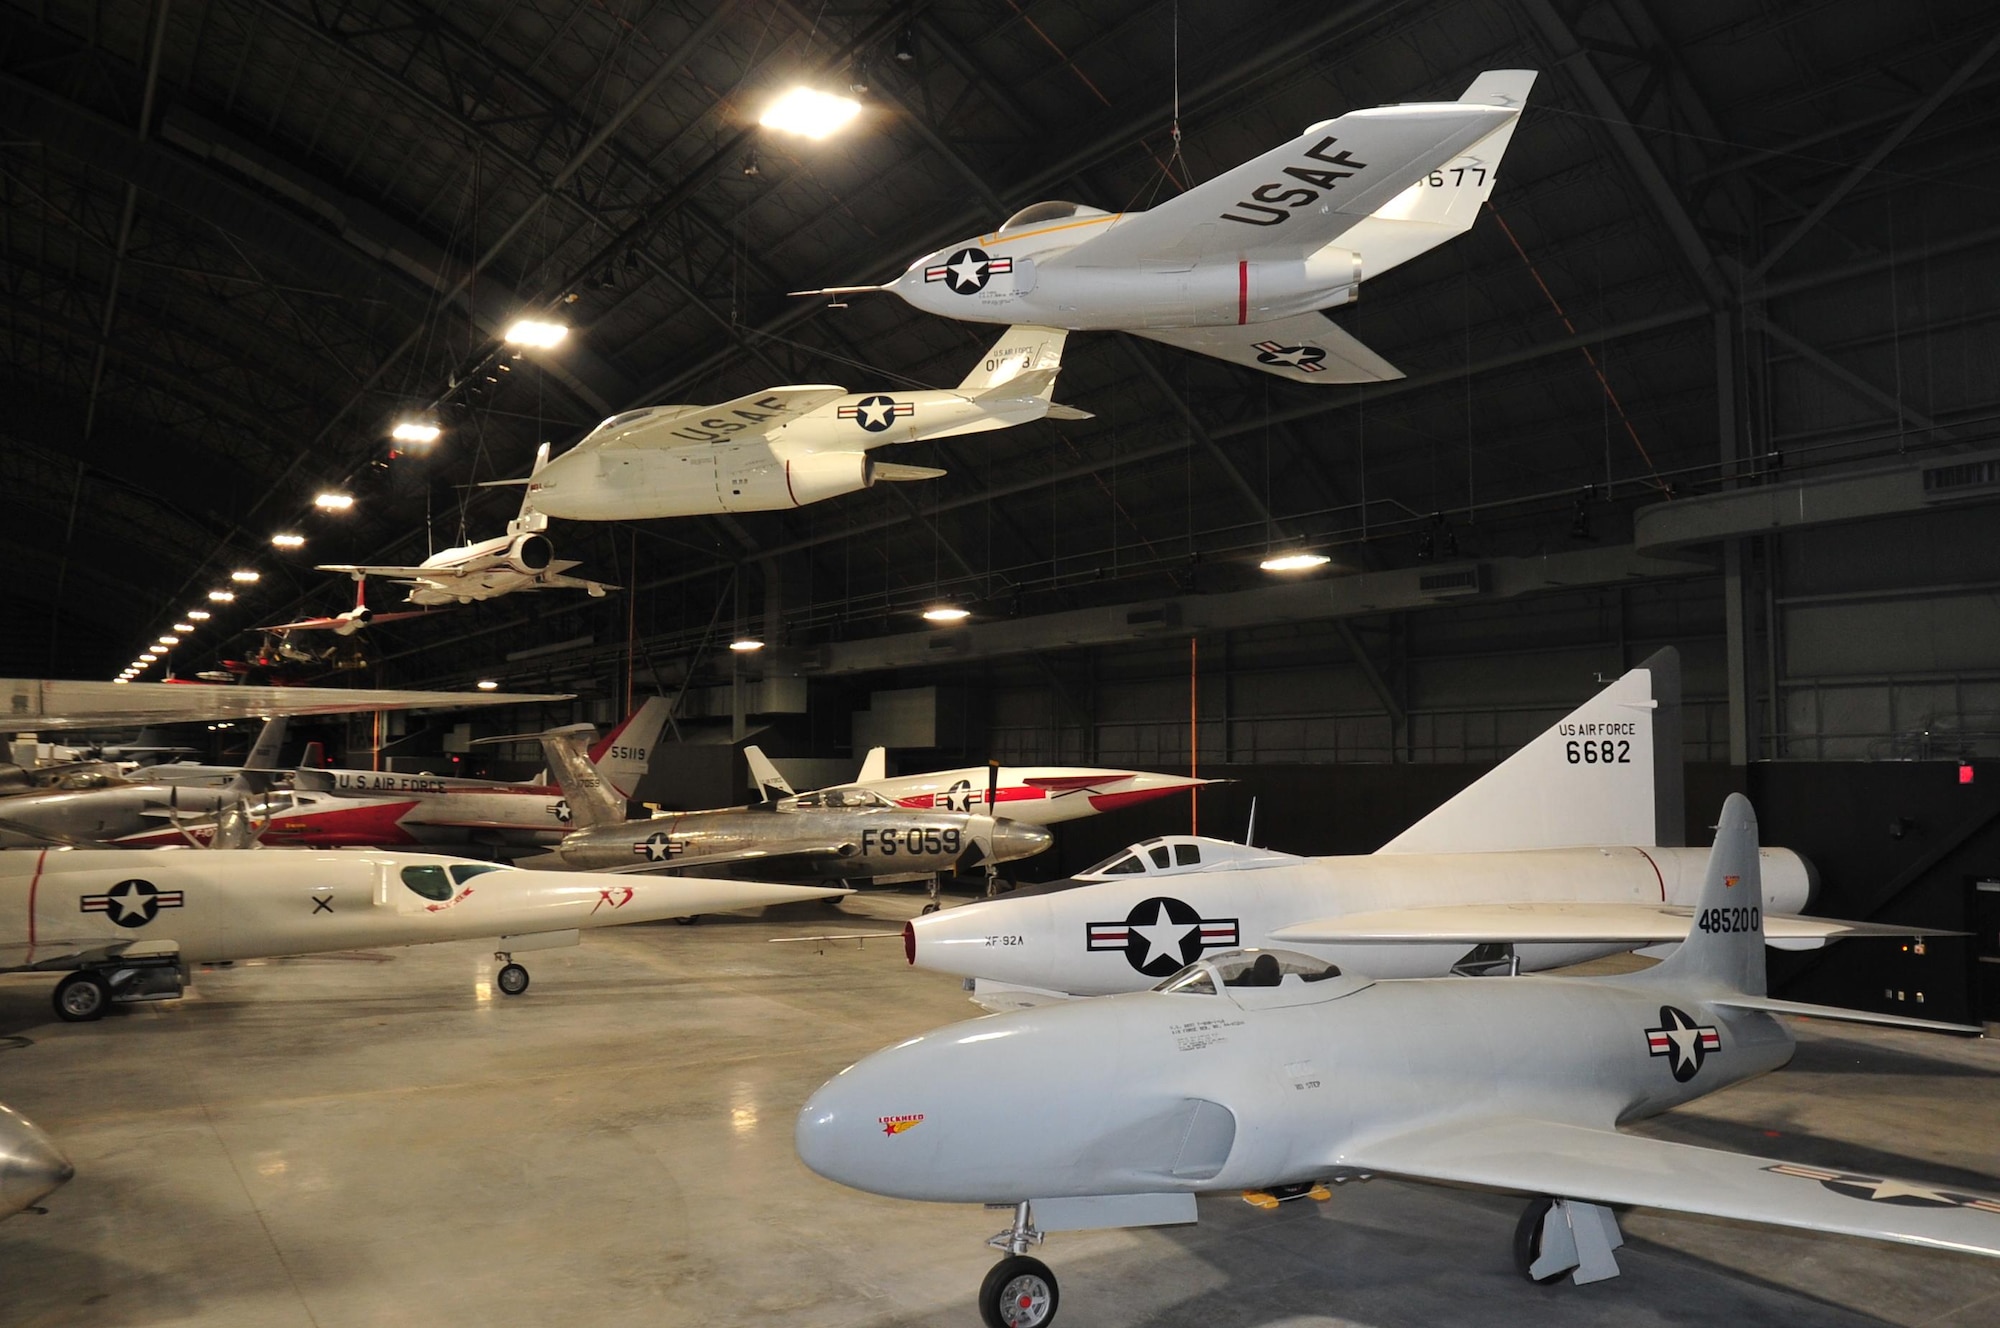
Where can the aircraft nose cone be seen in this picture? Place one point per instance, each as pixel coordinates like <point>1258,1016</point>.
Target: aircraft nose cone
<point>31,1166</point>
<point>1016,840</point>
<point>833,1132</point>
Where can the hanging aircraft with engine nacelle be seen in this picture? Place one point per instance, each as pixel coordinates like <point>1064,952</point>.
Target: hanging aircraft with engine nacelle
<point>789,447</point>
<point>1244,266</point>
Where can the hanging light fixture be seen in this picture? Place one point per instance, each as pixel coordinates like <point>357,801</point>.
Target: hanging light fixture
<point>536,333</point>
<point>946,613</point>
<point>810,113</point>
<point>1298,560</point>
<point>743,645</point>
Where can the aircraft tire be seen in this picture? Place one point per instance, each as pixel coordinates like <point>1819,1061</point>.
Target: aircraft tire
<point>82,997</point>
<point>931,907</point>
<point>512,979</point>
<point>1019,1292</point>
<point>1528,1242</point>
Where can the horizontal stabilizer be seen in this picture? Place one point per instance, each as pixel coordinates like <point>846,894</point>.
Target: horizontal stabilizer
<point>502,484</point>
<point>889,473</point>
<point>1842,1014</point>
<point>1056,412</point>
<point>1306,348</point>
<point>1604,1167</point>
<point>1564,924</point>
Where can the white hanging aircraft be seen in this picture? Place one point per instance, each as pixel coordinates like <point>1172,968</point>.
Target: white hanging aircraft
<point>521,559</point>
<point>1240,266</point>
<point>789,446</point>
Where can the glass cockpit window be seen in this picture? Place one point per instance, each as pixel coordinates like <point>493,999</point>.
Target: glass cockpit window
<point>430,882</point>
<point>1160,856</point>
<point>1270,968</point>
<point>1194,980</point>
<point>855,798</point>
<point>1187,855</point>
<point>1125,864</point>
<point>1035,213</point>
<point>463,874</point>
<point>807,800</point>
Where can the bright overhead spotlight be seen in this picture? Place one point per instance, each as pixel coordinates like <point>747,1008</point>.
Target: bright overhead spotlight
<point>121,678</point>
<point>245,577</point>
<point>743,645</point>
<point>333,502</point>
<point>535,333</point>
<point>148,657</point>
<point>184,627</point>
<point>200,615</point>
<point>810,113</point>
<point>1294,562</point>
<point>288,541</point>
<point>222,596</point>
<point>168,641</point>
<point>946,613</point>
<point>415,431</point>
<point>487,685</point>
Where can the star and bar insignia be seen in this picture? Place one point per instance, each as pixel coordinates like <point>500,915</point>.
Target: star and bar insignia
<point>968,271</point>
<point>1680,1038</point>
<point>1881,1189</point>
<point>877,413</point>
<point>657,847</point>
<point>1306,359</point>
<point>1162,935</point>
<point>131,903</point>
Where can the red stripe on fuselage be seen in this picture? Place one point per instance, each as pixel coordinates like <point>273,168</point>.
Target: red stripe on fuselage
<point>788,485</point>
<point>34,888</point>
<point>1242,291</point>
<point>1656,874</point>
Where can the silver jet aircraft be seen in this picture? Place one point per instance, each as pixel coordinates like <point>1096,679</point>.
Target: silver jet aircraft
<point>837,834</point>
<point>1567,851</point>
<point>31,1166</point>
<point>1276,1073</point>
<point>789,446</point>
<point>127,926</point>
<point>1240,266</point>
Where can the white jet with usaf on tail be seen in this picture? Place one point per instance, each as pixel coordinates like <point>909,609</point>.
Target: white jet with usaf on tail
<point>1274,1074</point>
<point>1567,851</point>
<point>1240,266</point>
<point>789,446</point>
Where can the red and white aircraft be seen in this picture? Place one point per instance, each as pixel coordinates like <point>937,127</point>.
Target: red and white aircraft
<point>343,624</point>
<point>1030,794</point>
<point>390,809</point>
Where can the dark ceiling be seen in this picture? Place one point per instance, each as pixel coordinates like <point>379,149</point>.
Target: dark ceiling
<point>239,237</point>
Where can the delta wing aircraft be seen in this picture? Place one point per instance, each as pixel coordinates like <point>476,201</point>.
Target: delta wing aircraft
<point>1568,850</point>
<point>789,446</point>
<point>128,926</point>
<point>31,1166</point>
<point>521,559</point>
<point>1241,266</point>
<point>1032,795</point>
<point>1275,1073</point>
<point>839,834</point>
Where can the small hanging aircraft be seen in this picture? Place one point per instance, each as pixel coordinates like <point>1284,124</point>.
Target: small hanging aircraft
<point>786,447</point>
<point>521,559</point>
<point>342,624</point>
<point>1241,266</point>
<point>1276,1075</point>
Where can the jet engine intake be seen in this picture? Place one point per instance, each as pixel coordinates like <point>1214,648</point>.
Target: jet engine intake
<point>530,553</point>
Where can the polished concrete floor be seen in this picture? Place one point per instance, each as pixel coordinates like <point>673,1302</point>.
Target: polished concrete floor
<point>382,1139</point>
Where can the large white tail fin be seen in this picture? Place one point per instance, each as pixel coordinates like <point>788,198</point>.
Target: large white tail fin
<point>1023,349</point>
<point>1445,202</point>
<point>1725,945</point>
<point>623,755</point>
<point>591,800</point>
<point>1608,773</point>
<point>529,518</point>
<point>874,766</point>
<point>765,776</point>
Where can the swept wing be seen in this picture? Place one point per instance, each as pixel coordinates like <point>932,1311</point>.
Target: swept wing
<point>1603,1166</point>
<point>1564,924</point>
<point>1306,348</point>
<point>735,421</point>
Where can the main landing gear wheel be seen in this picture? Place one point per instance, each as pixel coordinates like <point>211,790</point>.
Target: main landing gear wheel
<point>1019,1292</point>
<point>927,908</point>
<point>512,979</point>
<point>82,997</point>
<point>1528,1242</point>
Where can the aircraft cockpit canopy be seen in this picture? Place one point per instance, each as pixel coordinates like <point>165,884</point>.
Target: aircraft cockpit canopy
<point>1263,977</point>
<point>1036,214</point>
<point>841,799</point>
<point>1181,853</point>
<point>441,883</point>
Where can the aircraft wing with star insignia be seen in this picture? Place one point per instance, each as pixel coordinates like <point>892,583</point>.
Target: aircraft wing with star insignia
<point>1605,1167</point>
<point>1306,348</point>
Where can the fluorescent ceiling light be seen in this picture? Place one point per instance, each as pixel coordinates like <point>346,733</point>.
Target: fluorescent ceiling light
<point>946,613</point>
<point>149,657</point>
<point>333,502</point>
<point>810,113</point>
<point>745,644</point>
<point>533,332</point>
<point>245,577</point>
<point>222,596</point>
<point>1294,562</point>
<point>184,627</point>
<point>288,541</point>
<point>487,685</point>
<point>200,615</point>
<point>415,431</point>
<point>116,680</point>
<point>168,641</point>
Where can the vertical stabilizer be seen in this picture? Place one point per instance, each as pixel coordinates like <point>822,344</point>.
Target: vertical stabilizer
<point>1590,780</point>
<point>624,755</point>
<point>261,764</point>
<point>1669,757</point>
<point>764,776</point>
<point>1725,943</point>
<point>591,800</point>
<point>1021,349</point>
<point>874,767</point>
<point>529,518</point>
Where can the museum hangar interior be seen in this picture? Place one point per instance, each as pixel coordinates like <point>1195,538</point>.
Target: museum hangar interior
<point>1712,369</point>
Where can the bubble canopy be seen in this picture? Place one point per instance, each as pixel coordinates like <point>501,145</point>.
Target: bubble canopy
<point>1247,969</point>
<point>1036,214</point>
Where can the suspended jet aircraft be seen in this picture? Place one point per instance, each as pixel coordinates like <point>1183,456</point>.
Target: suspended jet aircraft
<point>839,834</point>
<point>521,559</point>
<point>127,927</point>
<point>35,704</point>
<point>1241,266</point>
<point>1276,1073</point>
<point>1032,795</point>
<point>789,446</point>
<point>31,1166</point>
<point>1567,851</point>
<point>345,623</point>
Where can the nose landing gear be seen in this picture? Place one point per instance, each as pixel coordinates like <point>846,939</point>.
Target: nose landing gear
<point>512,979</point>
<point>1019,1291</point>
